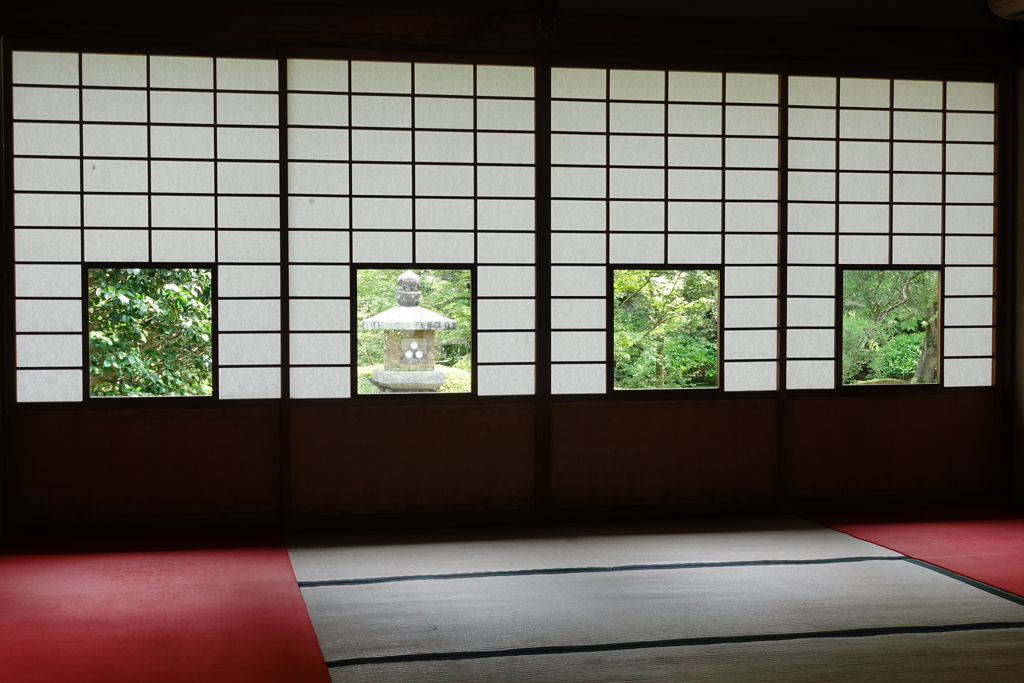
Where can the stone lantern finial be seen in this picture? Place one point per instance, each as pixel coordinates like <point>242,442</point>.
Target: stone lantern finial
<point>408,289</point>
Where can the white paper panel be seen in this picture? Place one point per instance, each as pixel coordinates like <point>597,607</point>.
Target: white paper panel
<point>970,158</point>
<point>810,281</point>
<point>971,96</point>
<point>636,85</point>
<point>116,210</point>
<point>812,123</point>
<point>917,218</point>
<point>812,218</point>
<point>318,247</point>
<point>505,314</point>
<point>863,249</point>
<point>318,110</point>
<point>578,182</point>
<point>751,217</point>
<point>116,245</point>
<point>917,126</point>
<point>969,250</point>
<point>249,315</point>
<point>505,281</point>
<point>578,116</point>
<point>752,153</point>
<point>968,281</point>
<point>695,119</point>
<point>916,250</point>
<point>243,281</point>
<point>751,248</point>
<point>45,68</point>
<point>863,92</point>
<point>967,311</point>
<point>443,146</point>
<point>181,142</point>
<point>183,245</point>
<point>444,181</point>
<point>695,151</point>
<point>694,86</point>
<point>313,143</point>
<point>247,178</point>
<point>916,187</point>
<point>810,343</point>
<point>246,74</point>
<point>320,383</point>
<point>179,176</point>
<point>751,185</point>
<point>967,341</point>
<point>180,72</point>
<point>48,104</point>
<point>505,380</point>
<point>114,105</point>
<point>633,248</point>
<point>970,127</point>
<point>575,346</point>
<point>578,313</point>
<point>328,75</point>
<point>578,281</point>
<point>967,372</point>
<point>505,347</point>
<point>251,212</point>
<point>688,249</point>
<point>36,386</point>
<point>508,81</point>
<point>49,139</point>
<point>320,349</point>
<point>752,88</point>
<point>812,186</point>
<point>379,145</point>
<point>863,218</point>
<point>578,215</point>
<point>391,77</point>
<point>180,107</point>
<point>687,184</point>
<point>443,79</point>
<point>319,280</point>
<point>810,312</point>
<point>60,175</point>
<point>443,112</point>
<point>247,143</point>
<point>637,183</point>
<point>917,94</point>
<point>694,216</point>
<point>751,281</point>
<point>249,349</point>
<point>317,212</point>
<point>579,83</point>
<point>578,149</point>
<point>864,187</point>
<point>751,121</point>
<point>578,379</point>
<point>864,156</point>
<point>504,248</point>
<point>177,212</point>
<point>35,315</point>
<point>49,350</point>
<point>47,280</point>
<point>238,383</point>
<point>47,210</point>
<point>637,216</point>
<point>319,314</point>
<point>381,247</point>
<point>318,178</point>
<point>751,313</point>
<point>382,213</point>
<point>381,179</point>
<point>812,91</point>
<point>504,115</point>
<point>252,247</point>
<point>751,376</point>
<point>810,374</point>
<point>811,249</point>
<point>973,189</point>
<point>908,156</point>
<point>977,219</point>
<point>635,150</point>
<point>744,344</point>
<point>104,175</point>
<point>864,124</point>
<point>114,141</point>
<point>444,247</point>
<point>444,214</point>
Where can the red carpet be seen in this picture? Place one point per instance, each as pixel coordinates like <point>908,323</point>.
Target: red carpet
<point>170,609</point>
<point>984,545</point>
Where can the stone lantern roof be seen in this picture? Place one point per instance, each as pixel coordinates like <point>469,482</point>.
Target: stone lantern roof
<point>408,315</point>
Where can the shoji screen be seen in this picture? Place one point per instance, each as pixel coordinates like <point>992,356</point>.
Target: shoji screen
<point>673,168</point>
<point>393,164</point>
<point>138,161</point>
<point>891,172</point>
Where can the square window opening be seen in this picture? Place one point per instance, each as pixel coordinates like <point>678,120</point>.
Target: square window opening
<point>891,327</point>
<point>666,329</point>
<point>150,332</point>
<point>415,331</point>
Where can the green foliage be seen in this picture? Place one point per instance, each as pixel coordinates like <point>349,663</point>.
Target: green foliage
<point>666,328</point>
<point>150,332</point>
<point>886,317</point>
<point>448,292</point>
<point>457,381</point>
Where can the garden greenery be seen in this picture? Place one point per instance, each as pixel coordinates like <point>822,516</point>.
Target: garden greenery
<point>890,326</point>
<point>150,332</point>
<point>666,329</point>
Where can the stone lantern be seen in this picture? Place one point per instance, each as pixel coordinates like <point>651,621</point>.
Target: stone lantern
<point>409,340</point>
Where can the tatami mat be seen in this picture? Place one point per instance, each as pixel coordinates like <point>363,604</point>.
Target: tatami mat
<point>320,557</point>
<point>506,612</point>
<point>965,657</point>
